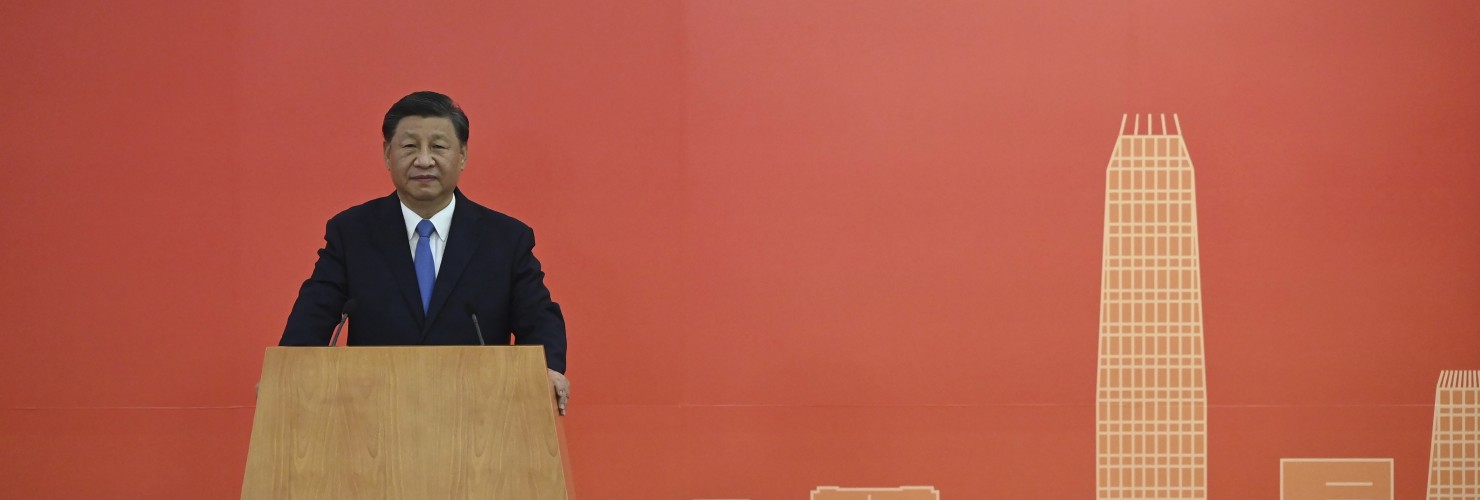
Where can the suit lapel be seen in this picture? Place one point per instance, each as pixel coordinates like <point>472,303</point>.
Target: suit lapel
<point>461,244</point>
<point>395,246</point>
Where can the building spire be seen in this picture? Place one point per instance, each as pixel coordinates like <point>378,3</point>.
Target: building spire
<point>1151,119</point>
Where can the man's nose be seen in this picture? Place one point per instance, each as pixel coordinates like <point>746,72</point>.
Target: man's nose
<point>424,159</point>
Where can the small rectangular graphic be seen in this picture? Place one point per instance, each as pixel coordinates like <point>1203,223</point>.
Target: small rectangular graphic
<point>900,493</point>
<point>1336,478</point>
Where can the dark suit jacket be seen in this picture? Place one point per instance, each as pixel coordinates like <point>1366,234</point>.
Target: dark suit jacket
<point>488,262</point>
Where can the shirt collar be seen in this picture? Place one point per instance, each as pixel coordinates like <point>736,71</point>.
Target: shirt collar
<point>442,220</point>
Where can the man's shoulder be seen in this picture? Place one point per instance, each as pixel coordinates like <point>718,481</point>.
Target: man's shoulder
<point>366,211</point>
<point>489,217</point>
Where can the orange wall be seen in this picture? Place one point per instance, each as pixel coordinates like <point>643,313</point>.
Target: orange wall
<point>799,243</point>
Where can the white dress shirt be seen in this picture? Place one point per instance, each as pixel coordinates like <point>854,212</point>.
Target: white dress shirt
<point>441,221</point>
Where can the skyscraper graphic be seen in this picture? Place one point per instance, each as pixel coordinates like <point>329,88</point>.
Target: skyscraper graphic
<point>1151,405</point>
<point>1454,459</point>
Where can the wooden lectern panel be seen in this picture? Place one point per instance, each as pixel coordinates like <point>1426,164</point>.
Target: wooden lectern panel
<point>404,423</point>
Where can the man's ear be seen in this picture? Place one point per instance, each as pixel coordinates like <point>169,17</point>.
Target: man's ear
<point>464,162</point>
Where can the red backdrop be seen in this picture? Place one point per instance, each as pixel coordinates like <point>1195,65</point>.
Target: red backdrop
<point>799,243</point>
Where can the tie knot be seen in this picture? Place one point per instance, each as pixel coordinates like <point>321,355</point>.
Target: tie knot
<point>424,228</point>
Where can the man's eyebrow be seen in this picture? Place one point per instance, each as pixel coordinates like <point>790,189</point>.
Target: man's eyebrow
<point>434,135</point>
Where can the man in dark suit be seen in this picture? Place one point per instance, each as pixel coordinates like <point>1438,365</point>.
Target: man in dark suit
<point>418,264</point>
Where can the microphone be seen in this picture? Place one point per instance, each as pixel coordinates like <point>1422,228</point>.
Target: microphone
<point>473,312</point>
<point>349,307</point>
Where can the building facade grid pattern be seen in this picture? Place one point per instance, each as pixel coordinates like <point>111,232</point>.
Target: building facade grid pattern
<point>1454,459</point>
<point>1151,403</point>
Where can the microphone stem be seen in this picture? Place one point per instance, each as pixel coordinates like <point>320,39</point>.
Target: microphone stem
<point>478,329</point>
<point>335,339</point>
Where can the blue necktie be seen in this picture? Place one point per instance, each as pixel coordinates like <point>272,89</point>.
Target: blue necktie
<point>426,271</point>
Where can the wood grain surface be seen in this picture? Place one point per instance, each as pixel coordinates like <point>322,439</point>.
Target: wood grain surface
<point>404,422</point>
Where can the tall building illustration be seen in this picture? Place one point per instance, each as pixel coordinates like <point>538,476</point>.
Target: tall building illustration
<point>1151,404</point>
<point>1454,456</point>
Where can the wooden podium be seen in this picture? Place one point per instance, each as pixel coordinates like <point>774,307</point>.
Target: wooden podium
<point>405,423</point>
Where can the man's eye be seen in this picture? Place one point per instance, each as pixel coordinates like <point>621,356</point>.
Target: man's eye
<point>439,146</point>
<point>408,146</point>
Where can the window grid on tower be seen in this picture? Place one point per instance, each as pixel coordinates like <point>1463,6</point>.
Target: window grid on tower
<point>1454,460</point>
<point>1151,409</point>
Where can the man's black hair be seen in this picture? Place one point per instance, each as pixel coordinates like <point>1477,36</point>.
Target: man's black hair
<point>425,104</point>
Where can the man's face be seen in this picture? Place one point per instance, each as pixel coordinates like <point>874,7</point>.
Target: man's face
<point>425,158</point>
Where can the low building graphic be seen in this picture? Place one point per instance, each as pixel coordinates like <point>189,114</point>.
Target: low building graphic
<point>1336,478</point>
<point>899,493</point>
<point>1454,456</point>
